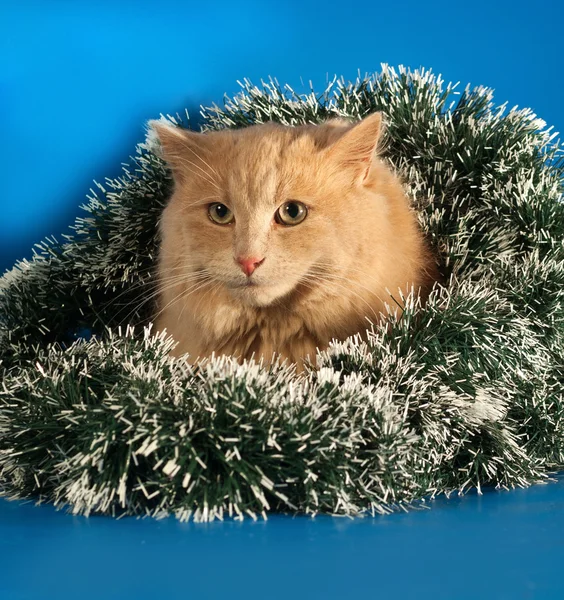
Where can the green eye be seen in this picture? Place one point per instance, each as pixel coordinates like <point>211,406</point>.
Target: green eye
<point>291,213</point>
<point>220,214</point>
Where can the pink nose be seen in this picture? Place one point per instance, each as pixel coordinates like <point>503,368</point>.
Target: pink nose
<point>249,264</point>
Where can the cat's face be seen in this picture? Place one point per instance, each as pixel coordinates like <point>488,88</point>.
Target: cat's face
<point>262,210</point>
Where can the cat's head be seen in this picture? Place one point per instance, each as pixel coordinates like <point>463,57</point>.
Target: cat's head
<point>264,209</point>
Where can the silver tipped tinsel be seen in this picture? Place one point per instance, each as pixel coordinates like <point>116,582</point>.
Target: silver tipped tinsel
<point>461,394</point>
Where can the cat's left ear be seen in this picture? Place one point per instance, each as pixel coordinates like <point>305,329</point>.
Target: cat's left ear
<point>357,149</point>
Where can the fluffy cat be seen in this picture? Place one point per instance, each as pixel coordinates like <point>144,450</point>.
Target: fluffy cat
<point>279,239</point>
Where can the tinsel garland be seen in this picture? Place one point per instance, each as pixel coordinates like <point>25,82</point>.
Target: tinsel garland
<point>464,393</point>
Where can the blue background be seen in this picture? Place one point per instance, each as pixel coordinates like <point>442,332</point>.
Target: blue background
<point>79,79</point>
<point>77,82</point>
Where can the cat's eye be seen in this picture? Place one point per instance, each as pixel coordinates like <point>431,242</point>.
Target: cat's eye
<point>220,214</point>
<point>291,213</point>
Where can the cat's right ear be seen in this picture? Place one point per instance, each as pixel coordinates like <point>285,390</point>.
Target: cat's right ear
<point>180,148</point>
<point>357,148</point>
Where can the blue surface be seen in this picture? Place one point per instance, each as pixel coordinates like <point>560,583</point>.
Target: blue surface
<point>77,81</point>
<point>502,545</point>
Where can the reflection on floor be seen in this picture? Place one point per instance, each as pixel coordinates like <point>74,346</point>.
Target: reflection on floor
<point>499,545</point>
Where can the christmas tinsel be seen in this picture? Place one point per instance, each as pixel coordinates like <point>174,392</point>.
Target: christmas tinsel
<point>463,393</point>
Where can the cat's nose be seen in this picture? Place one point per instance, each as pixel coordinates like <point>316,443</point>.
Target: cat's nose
<point>248,264</point>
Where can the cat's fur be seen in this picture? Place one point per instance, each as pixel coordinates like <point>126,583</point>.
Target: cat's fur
<point>321,279</point>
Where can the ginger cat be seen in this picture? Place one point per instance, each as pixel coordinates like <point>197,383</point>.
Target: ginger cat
<point>279,239</point>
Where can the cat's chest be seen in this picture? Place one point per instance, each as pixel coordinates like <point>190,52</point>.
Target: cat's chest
<point>291,330</point>
<point>273,324</point>
<point>247,331</point>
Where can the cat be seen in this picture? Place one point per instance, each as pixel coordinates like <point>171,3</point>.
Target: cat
<point>278,239</point>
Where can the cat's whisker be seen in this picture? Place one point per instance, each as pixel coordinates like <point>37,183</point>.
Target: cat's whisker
<point>159,292</point>
<point>147,284</point>
<point>350,267</point>
<point>204,174</point>
<point>352,283</point>
<point>182,296</point>
<point>363,272</point>
<point>155,285</point>
<point>209,294</point>
<point>198,156</point>
<point>393,293</point>
<point>327,280</point>
<point>201,297</point>
<point>202,201</point>
<point>313,284</point>
<point>142,286</point>
<point>153,267</point>
<point>317,269</point>
<point>381,301</point>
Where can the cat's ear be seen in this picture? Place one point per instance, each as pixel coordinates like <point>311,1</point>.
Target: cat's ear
<point>179,148</point>
<point>357,148</point>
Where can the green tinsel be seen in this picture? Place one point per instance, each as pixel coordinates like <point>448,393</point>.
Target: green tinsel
<point>463,393</point>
